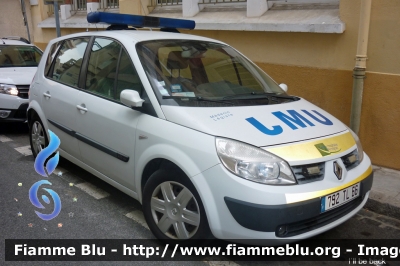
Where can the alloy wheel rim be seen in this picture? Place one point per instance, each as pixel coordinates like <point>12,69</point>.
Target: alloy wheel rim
<point>38,140</point>
<point>175,210</point>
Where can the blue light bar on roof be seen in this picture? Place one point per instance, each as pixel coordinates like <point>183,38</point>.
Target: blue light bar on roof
<point>140,21</point>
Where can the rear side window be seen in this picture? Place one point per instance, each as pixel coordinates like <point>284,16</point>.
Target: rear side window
<point>50,57</point>
<point>110,70</point>
<point>68,61</point>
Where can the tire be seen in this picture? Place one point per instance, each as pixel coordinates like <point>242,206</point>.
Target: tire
<point>37,136</point>
<point>172,207</point>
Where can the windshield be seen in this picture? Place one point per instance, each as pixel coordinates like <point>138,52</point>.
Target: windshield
<point>200,73</point>
<point>19,56</point>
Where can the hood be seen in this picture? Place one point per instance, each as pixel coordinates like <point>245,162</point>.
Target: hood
<point>263,125</point>
<point>17,75</point>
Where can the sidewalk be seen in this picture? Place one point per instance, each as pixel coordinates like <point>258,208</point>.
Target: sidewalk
<point>385,194</point>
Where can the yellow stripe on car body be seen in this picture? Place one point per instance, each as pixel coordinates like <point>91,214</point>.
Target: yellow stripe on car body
<point>309,150</point>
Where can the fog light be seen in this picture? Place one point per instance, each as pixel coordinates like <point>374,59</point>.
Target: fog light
<point>4,113</point>
<point>282,230</point>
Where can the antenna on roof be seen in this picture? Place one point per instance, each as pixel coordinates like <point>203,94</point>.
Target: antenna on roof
<point>122,21</point>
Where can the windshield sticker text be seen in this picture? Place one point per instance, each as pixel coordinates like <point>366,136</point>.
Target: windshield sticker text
<point>293,119</point>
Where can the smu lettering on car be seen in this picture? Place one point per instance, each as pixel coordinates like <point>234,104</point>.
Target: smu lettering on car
<point>293,118</point>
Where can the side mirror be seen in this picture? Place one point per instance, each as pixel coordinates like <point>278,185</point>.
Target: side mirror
<point>131,98</point>
<point>283,87</point>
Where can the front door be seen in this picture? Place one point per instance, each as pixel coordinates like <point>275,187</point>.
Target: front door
<point>106,127</point>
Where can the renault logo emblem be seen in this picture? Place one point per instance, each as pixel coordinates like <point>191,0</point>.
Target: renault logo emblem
<point>338,170</point>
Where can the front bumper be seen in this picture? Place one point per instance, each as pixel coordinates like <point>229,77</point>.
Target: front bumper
<point>243,210</point>
<point>295,219</point>
<point>16,115</point>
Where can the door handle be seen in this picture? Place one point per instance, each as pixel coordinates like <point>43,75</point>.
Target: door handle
<point>47,94</point>
<point>82,108</point>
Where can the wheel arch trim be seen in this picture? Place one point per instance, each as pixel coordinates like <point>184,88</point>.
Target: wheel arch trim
<point>35,107</point>
<point>165,152</point>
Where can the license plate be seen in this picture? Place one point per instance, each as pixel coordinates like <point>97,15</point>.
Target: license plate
<point>340,197</point>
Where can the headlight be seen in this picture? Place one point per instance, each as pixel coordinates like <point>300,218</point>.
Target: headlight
<point>253,163</point>
<point>360,150</point>
<point>8,89</point>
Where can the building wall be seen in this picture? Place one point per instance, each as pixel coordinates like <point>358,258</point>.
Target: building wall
<point>49,34</point>
<point>11,19</point>
<point>139,7</point>
<point>329,51</point>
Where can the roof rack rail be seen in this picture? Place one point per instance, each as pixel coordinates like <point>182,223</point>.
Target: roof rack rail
<point>16,38</point>
<point>122,21</point>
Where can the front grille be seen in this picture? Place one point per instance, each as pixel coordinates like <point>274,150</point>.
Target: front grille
<point>351,160</point>
<point>309,172</point>
<point>323,219</point>
<point>23,91</point>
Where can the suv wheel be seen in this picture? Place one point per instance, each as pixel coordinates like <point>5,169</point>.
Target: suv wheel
<point>37,136</point>
<point>172,207</point>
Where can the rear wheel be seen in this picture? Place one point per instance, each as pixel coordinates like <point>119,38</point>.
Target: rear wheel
<point>37,136</point>
<point>173,208</point>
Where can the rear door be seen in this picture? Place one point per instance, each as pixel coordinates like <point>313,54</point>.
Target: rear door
<point>60,90</point>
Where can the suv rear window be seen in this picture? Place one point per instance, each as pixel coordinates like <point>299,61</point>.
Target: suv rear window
<point>19,56</point>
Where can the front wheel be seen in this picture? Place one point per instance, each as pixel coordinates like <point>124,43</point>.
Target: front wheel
<point>37,136</point>
<point>173,208</point>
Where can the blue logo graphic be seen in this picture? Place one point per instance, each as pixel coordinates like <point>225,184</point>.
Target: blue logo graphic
<point>46,153</point>
<point>40,169</point>
<point>35,201</point>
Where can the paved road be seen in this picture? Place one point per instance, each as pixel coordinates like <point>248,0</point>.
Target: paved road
<point>92,209</point>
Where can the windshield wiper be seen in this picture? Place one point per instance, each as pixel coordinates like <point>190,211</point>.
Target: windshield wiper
<point>235,96</point>
<point>197,98</point>
<point>268,95</point>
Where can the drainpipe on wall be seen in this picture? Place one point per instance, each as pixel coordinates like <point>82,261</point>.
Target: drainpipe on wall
<point>361,65</point>
<point>25,19</point>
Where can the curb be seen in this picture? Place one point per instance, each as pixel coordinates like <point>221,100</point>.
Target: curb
<point>383,208</point>
<point>384,197</point>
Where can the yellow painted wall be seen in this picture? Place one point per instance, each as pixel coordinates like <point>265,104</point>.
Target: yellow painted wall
<point>380,119</point>
<point>384,37</point>
<point>49,34</point>
<point>321,50</point>
<point>139,7</point>
<point>326,88</point>
<point>298,49</point>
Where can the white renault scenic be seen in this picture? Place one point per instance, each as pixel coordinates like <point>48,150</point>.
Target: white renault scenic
<point>197,133</point>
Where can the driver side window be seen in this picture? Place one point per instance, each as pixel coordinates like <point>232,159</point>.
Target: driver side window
<point>110,70</point>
